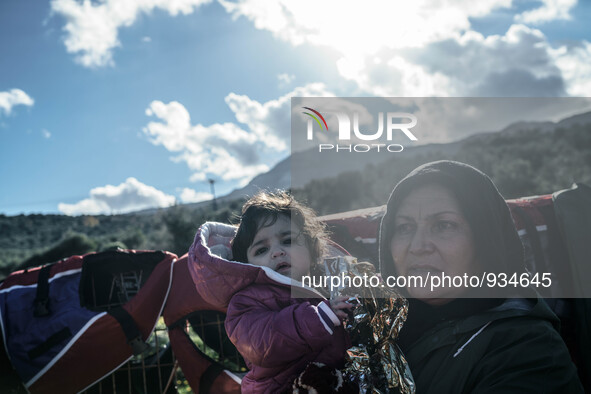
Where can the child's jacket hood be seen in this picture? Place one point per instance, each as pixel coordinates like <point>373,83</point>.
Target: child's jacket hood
<point>217,278</point>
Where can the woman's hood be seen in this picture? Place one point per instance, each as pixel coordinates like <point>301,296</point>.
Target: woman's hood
<point>217,278</point>
<point>496,240</point>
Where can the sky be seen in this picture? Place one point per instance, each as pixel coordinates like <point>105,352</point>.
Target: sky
<point>118,105</point>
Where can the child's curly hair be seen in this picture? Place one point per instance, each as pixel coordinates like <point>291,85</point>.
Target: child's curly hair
<point>263,209</point>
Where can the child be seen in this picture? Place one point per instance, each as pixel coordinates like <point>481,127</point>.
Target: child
<point>279,335</point>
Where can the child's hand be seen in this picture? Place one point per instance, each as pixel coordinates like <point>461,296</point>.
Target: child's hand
<point>340,307</point>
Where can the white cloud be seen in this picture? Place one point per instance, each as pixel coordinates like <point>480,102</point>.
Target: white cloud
<point>92,28</point>
<point>549,11</point>
<point>190,195</point>
<point>146,39</point>
<point>131,195</point>
<point>391,74</point>
<point>14,97</point>
<point>46,133</point>
<point>519,63</point>
<point>382,24</point>
<point>224,149</point>
<point>270,121</point>
<point>227,150</point>
<point>515,64</point>
<point>285,79</point>
<point>575,64</point>
<point>427,47</point>
<point>398,49</point>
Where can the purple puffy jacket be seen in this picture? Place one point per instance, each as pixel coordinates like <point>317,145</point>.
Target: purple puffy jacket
<point>277,334</point>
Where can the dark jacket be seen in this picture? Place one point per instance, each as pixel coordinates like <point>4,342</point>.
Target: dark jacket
<point>276,324</point>
<point>513,348</point>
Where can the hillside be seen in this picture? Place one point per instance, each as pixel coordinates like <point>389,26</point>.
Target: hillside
<point>528,162</point>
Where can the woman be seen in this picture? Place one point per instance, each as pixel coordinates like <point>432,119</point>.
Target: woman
<point>448,218</point>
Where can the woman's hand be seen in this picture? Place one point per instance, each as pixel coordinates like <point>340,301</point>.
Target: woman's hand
<point>340,307</point>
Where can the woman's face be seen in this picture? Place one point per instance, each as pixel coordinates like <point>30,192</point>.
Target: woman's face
<point>431,237</point>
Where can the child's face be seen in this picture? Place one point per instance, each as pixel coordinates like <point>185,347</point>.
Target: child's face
<point>280,248</point>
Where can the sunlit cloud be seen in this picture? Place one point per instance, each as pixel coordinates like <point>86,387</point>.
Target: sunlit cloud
<point>519,63</point>
<point>223,149</point>
<point>92,28</point>
<point>392,74</point>
<point>355,29</point>
<point>131,195</point>
<point>270,121</point>
<point>574,62</point>
<point>46,134</point>
<point>429,48</point>
<point>550,10</point>
<point>191,195</point>
<point>12,98</point>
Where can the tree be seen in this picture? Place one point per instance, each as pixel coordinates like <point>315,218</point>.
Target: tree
<point>74,244</point>
<point>181,227</point>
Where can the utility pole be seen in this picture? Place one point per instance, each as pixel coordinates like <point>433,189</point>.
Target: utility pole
<point>211,184</point>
